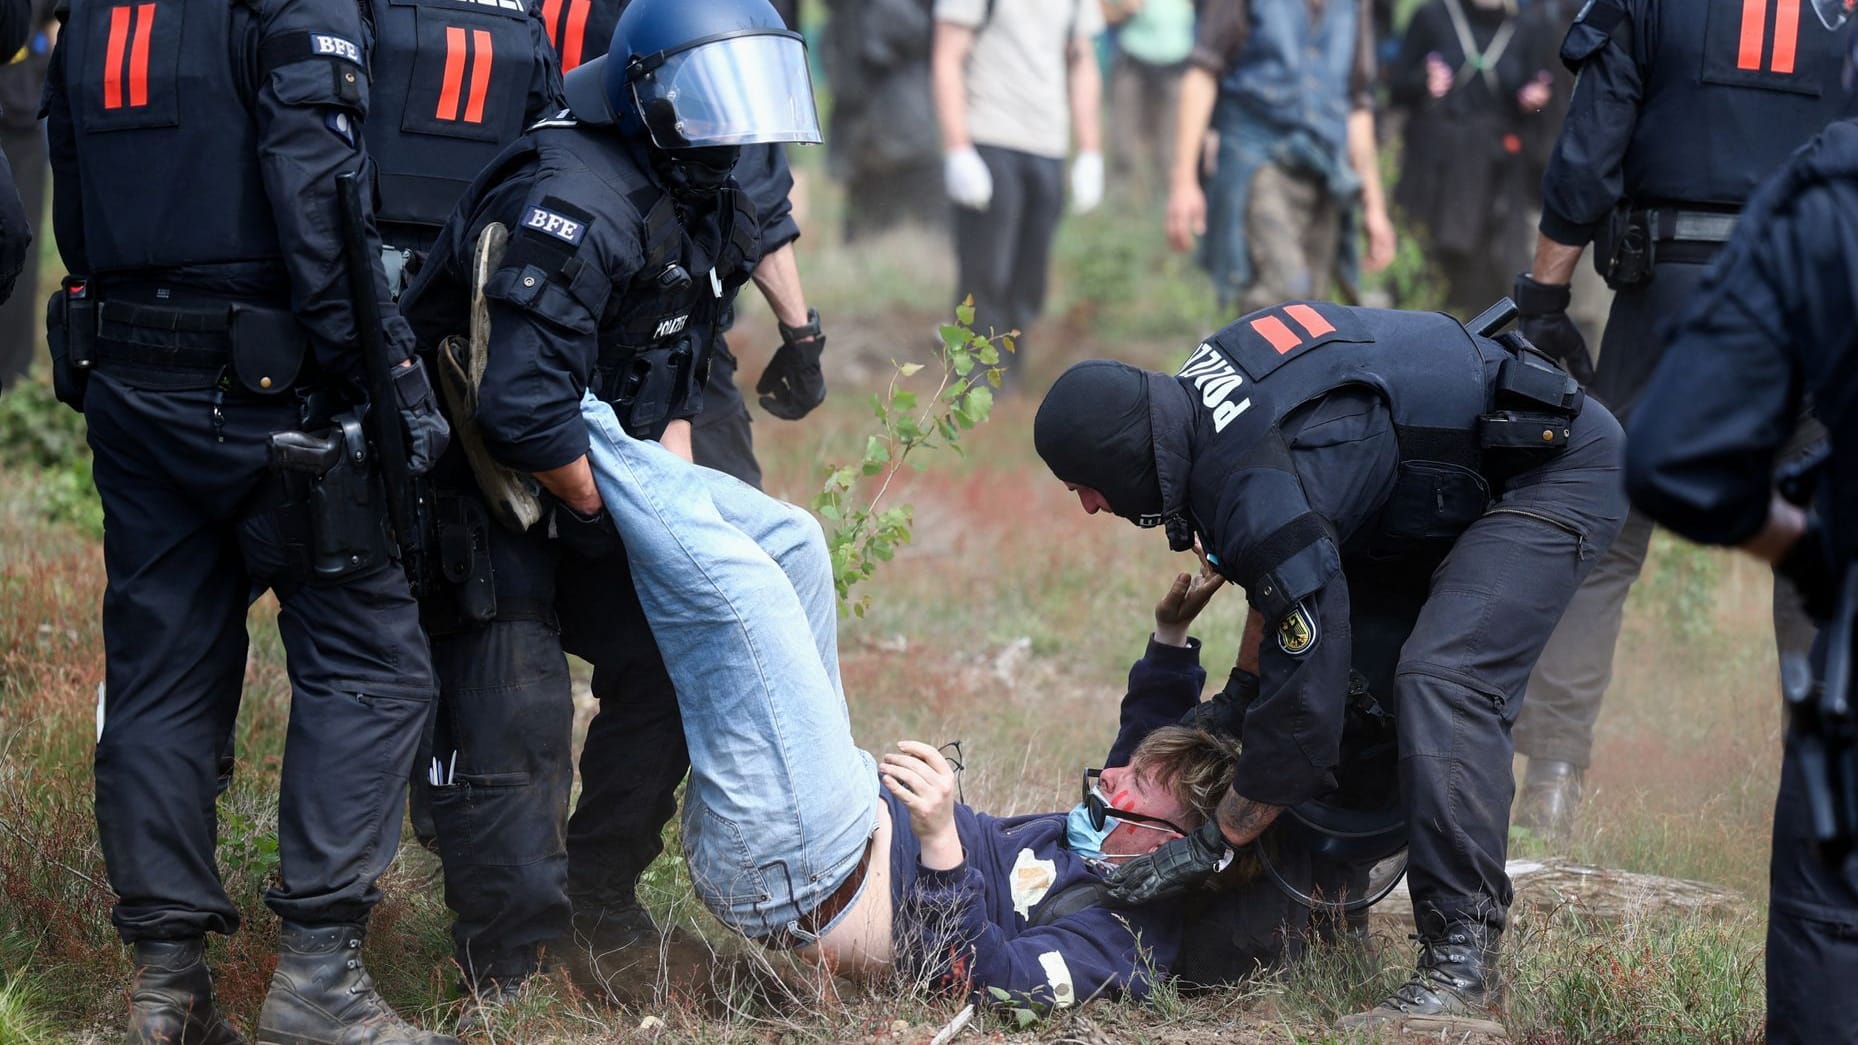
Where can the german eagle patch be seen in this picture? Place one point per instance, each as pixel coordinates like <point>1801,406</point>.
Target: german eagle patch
<point>1296,633</point>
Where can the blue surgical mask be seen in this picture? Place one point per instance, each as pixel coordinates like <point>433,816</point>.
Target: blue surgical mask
<point>1085,840</point>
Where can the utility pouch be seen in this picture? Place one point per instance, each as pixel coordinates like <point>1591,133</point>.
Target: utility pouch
<point>464,556</point>
<point>1535,433</point>
<point>348,534</point>
<point>268,349</point>
<point>650,383</point>
<point>1627,250</point>
<point>1434,500</point>
<point>1526,385</point>
<point>1534,417</point>
<point>71,334</point>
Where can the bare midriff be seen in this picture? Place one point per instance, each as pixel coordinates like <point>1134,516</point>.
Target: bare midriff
<point>859,942</point>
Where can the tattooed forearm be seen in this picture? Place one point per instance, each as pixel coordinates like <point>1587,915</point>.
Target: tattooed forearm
<point>1242,820</point>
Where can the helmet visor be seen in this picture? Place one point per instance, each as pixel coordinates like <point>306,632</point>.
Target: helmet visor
<point>738,90</point>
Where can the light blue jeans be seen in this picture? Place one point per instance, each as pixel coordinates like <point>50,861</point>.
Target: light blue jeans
<point>738,588</point>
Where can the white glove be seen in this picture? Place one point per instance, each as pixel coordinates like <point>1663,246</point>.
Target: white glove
<point>1086,182</point>
<point>970,183</point>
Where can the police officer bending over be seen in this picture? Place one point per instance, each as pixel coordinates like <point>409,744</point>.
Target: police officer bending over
<point>1775,322</point>
<point>627,240</point>
<point>1681,108</point>
<point>1318,454</point>
<point>209,336</point>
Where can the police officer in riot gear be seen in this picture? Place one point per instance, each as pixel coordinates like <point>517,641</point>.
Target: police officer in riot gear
<point>793,384</point>
<point>1775,322</point>
<point>1680,109</point>
<point>608,852</point>
<point>627,240</point>
<point>1320,455</point>
<point>209,336</point>
<point>454,83</point>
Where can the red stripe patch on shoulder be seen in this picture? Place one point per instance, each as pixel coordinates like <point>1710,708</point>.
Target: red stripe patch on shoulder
<point>1272,329</point>
<point>1310,320</point>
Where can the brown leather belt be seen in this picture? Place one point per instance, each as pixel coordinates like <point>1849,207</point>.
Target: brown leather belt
<point>815,921</point>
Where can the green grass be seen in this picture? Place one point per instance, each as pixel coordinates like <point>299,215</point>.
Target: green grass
<point>23,1019</point>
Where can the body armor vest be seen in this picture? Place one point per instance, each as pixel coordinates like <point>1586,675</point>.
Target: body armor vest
<point>451,84</point>
<point>655,339</point>
<point>1435,376</point>
<point>161,104</point>
<point>1732,89</point>
<point>580,30</point>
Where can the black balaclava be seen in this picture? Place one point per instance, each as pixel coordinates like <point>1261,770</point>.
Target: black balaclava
<point>1093,430</point>
<point>696,175</point>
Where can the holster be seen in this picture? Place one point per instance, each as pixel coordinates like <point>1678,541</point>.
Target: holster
<point>348,533</point>
<point>71,334</point>
<point>1626,250</point>
<point>464,556</point>
<point>1535,405</point>
<point>645,385</point>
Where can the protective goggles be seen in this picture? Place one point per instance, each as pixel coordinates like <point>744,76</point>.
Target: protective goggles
<point>1101,811</point>
<point>732,89</point>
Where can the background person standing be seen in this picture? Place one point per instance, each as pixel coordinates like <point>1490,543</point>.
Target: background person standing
<point>1009,79</point>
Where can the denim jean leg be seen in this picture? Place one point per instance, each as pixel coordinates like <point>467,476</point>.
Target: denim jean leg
<point>781,803</point>
<point>791,535</point>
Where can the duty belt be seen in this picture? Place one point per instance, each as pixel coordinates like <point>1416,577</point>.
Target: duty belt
<point>153,317</point>
<point>185,320</point>
<point>1690,236</point>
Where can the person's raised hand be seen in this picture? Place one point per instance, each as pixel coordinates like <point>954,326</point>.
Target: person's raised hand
<point>1186,597</point>
<point>924,782</point>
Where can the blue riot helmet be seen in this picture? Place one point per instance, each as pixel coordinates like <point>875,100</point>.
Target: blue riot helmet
<point>698,74</point>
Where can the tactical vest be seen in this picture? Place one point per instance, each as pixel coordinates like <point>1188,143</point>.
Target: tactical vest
<point>1436,378</point>
<point>451,86</point>
<point>580,30</point>
<point>161,103</point>
<point>1732,88</point>
<point>660,327</point>
<point>1293,73</point>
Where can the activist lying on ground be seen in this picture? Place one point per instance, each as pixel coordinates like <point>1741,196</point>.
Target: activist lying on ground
<point>798,839</point>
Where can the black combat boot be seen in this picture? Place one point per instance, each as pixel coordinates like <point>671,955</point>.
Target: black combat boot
<point>615,925</point>
<point>1455,989</point>
<point>171,1002</point>
<point>1551,800</point>
<point>321,995</point>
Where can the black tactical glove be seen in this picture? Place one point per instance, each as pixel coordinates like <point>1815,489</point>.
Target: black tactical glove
<point>1172,869</point>
<point>1543,310</point>
<point>1809,568</point>
<point>588,536</point>
<point>1225,712</point>
<point>427,433</point>
<point>792,385</point>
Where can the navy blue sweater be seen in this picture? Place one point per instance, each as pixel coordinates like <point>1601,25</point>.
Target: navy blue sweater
<point>970,929</point>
